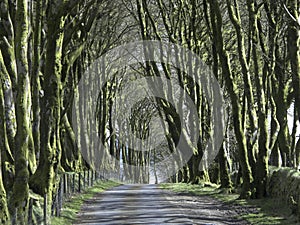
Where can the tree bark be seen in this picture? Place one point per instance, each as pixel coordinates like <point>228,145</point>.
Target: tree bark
<point>262,161</point>
<point>4,148</point>
<point>44,179</point>
<point>294,48</point>
<point>21,188</point>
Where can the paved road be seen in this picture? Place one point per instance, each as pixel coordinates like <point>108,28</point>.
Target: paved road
<point>148,204</point>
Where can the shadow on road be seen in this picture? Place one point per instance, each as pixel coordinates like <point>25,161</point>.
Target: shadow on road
<point>148,204</point>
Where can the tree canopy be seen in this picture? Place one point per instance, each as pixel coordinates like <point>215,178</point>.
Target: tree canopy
<point>143,90</point>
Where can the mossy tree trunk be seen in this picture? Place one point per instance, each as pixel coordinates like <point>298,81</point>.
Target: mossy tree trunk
<point>4,214</point>
<point>9,83</point>
<point>261,172</point>
<point>35,77</point>
<point>43,181</point>
<point>4,148</point>
<point>21,188</point>
<point>294,48</point>
<point>280,96</point>
<point>224,170</point>
<point>274,22</point>
<point>7,37</point>
<point>7,158</point>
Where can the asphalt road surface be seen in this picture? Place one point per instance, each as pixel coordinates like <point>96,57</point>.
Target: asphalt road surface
<point>148,204</point>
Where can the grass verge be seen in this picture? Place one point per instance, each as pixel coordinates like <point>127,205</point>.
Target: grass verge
<point>73,206</point>
<point>269,211</point>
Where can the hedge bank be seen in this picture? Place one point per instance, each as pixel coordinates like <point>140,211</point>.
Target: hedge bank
<point>284,183</point>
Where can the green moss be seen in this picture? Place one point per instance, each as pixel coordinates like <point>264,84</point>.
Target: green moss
<point>285,185</point>
<point>269,210</point>
<point>72,207</point>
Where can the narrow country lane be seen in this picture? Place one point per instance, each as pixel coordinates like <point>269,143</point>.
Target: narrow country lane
<point>148,204</point>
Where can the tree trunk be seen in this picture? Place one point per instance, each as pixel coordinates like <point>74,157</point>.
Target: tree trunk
<point>35,79</point>
<point>294,48</point>
<point>7,158</point>
<point>43,181</point>
<point>7,46</point>
<point>21,188</point>
<point>224,172</point>
<point>262,161</point>
<point>4,147</point>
